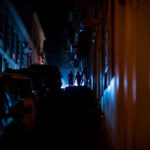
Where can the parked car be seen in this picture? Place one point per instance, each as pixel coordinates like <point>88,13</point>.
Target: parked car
<point>50,74</point>
<point>16,100</point>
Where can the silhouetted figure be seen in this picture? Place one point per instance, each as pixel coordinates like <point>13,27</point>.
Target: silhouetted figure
<point>83,80</point>
<point>78,78</point>
<point>70,78</point>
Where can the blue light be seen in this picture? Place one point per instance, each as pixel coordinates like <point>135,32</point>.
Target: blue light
<point>106,69</point>
<point>9,120</point>
<point>109,88</point>
<point>83,83</point>
<point>64,85</point>
<point>102,103</point>
<point>93,40</point>
<point>134,86</point>
<point>6,122</point>
<point>8,98</point>
<point>75,83</point>
<point>111,85</point>
<point>117,82</point>
<point>125,84</point>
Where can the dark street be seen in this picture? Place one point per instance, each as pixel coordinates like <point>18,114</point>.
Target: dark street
<point>80,120</point>
<point>67,120</point>
<point>75,74</point>
<point>73,121</point>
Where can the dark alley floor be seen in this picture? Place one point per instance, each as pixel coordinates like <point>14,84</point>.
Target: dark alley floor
<point>69,121</point>
<point>80,120</point>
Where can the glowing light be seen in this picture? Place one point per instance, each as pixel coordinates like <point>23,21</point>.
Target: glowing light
<point>125,84</point>
<point>102,103</point>
<point>112,82</point>
<point>111,85</point>
<point>93,40</point>
<point>83,83</point>
<point>5,122</point>
<point>134,86</point>
<point>91,82</point>
<point>9,99</point>
<point>9,120</point>
<point>117,82</point>
<point>75,83</point>
<point>64,85</point>
<point>109,88</point>
<point>106,69</point>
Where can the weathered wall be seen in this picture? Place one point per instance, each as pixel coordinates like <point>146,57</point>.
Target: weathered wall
<point>126,101</point>
<point>142,128</point>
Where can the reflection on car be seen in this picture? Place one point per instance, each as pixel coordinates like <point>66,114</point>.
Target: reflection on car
<point>16,100</point>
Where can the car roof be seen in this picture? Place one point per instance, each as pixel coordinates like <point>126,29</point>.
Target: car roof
<point>15,76</point>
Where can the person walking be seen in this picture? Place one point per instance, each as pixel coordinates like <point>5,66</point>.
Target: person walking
<point>70,78</point>
<point>78,78</point>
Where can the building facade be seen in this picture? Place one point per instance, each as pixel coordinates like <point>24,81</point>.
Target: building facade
<point>15,42</point>
<point>21,37</point>
<point>74,27</point>
<point>38,38</point>
<point>32,23</point>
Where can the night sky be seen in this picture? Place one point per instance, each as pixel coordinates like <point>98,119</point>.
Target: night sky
<point>53,19</point>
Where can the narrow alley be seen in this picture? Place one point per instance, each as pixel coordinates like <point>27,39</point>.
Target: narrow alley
<point>80,122</point>
<point>75,74</point>
<point>77,122</point>
<point>70,121</point>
